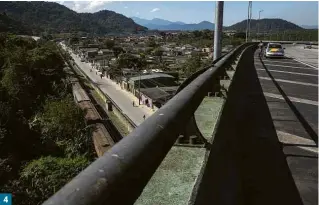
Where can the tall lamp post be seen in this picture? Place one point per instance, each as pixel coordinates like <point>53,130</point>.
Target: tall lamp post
<point>218,29</point>
<point>259,22</point>
<point>248,21</point>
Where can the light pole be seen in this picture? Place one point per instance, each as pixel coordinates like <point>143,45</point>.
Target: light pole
<point>248,20</point>
<point>218,29</point>
<point>259,22</point>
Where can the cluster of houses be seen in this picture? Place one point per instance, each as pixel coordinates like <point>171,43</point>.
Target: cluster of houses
<point>153,86</point>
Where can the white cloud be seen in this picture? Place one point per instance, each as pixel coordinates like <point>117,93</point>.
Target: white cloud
<point>155,9</point>
<point>88,6</point>
<point>125,7</point>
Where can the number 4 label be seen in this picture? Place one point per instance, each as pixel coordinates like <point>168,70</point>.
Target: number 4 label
<point>5,199</point>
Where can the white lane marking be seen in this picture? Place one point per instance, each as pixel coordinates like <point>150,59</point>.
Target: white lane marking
<point>299,61</point>
<point>284,61</point>
<point>306,64</point>
<point>290,81</point>
<point>295,73</point>
<point>293,99</point>
<point>289,66</point>
<point>294,139</point>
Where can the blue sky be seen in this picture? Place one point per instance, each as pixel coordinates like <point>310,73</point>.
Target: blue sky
<point>298,12</point>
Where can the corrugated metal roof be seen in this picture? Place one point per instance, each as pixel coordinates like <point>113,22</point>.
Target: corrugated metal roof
<point>150,76</point>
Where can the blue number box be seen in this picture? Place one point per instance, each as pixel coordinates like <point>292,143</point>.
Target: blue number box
<point>5,199</point>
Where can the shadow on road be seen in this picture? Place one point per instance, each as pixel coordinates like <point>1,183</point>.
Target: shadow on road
<point>246,164</point>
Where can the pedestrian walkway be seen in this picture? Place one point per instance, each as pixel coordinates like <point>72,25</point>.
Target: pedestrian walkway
<point>123,100</point>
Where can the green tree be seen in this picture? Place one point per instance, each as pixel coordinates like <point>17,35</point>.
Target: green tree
<point>63,123</point>
<point>192,65</point>
<point>117,51</point>
<point>109,43</point>
<point>159,53</point>
<point>43,177</point>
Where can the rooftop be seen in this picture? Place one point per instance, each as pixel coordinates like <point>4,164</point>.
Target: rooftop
<point>150,76</point>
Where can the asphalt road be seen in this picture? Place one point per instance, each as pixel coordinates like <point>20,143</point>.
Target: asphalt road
<point>298,52</point>
<point>123,100</point>
<point>291,92</point>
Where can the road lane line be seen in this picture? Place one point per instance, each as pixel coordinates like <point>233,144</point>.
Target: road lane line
<point>289,66</point>
<point>299,61</point>
<point>295,73</point>
<point>288,138</point>
<point>284,61</point>
<point>293,99</point>
<point>290,81</point>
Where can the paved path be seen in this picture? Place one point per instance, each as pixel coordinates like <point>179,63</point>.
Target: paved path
<point>291,92</point>
<point>122,98</point>
<point>309,56</point>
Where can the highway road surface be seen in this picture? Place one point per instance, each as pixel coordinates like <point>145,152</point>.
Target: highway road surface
<point>291,92</point>
<point>123,100</point>
<point>309,56</point>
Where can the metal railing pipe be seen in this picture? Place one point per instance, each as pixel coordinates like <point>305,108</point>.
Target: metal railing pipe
<point>119,176</point>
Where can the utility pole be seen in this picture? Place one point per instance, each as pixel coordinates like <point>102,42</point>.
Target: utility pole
<point>139,88</point>
<point>248,21</point>
<point>259,22</point>
<point>218,29</point>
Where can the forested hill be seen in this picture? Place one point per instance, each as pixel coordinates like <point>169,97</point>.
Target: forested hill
<point>9,25</point>
<point>55,18</point>
<point>265,25</point>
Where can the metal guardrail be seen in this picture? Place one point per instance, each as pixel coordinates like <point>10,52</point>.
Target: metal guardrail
<point>120,175</point>
<point>287,42</point>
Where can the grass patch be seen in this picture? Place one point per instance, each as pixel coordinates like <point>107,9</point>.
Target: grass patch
<point>120,126</point>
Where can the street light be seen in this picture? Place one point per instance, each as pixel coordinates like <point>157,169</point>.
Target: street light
<point>259,22</point>
<point>248,20</point>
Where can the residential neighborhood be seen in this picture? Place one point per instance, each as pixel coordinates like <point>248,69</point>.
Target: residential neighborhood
<point>151,67</point>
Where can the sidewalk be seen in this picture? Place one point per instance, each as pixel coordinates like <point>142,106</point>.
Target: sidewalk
<point>122,98</point>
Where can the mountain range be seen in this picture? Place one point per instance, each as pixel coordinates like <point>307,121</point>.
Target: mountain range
<point>161,24</point>
<point>264,25</point>
<point>52,17</point>
<point>37,17</point>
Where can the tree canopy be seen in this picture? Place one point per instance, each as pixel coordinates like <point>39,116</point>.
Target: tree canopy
<point>38,119</point>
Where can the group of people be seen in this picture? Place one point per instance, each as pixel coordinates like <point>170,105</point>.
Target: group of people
<point>101,75</point>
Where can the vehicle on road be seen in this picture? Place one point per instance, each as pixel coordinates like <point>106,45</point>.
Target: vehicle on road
<point>308,45</point>
<point>274,50</point>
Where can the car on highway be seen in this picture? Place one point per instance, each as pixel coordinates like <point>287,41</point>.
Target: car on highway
<point>308,45</point>
<point>274,50</point>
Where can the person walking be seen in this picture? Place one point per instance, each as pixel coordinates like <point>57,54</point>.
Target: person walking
<point>260,45</point>
<point>133,104</point>
<point>144,117</point>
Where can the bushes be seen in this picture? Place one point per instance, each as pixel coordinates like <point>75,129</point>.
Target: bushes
<point>40,178</point>
<point>38,119</point>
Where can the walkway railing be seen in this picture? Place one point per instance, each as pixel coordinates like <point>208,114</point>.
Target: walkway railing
<point>120,175</point>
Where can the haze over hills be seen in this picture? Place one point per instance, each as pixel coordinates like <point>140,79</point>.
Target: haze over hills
<point>53,17</point>
<point>310,26</point>
<point>265,25</point>
<point>161,24</point>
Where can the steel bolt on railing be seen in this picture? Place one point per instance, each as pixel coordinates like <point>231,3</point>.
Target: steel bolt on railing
<point>120,175</point>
